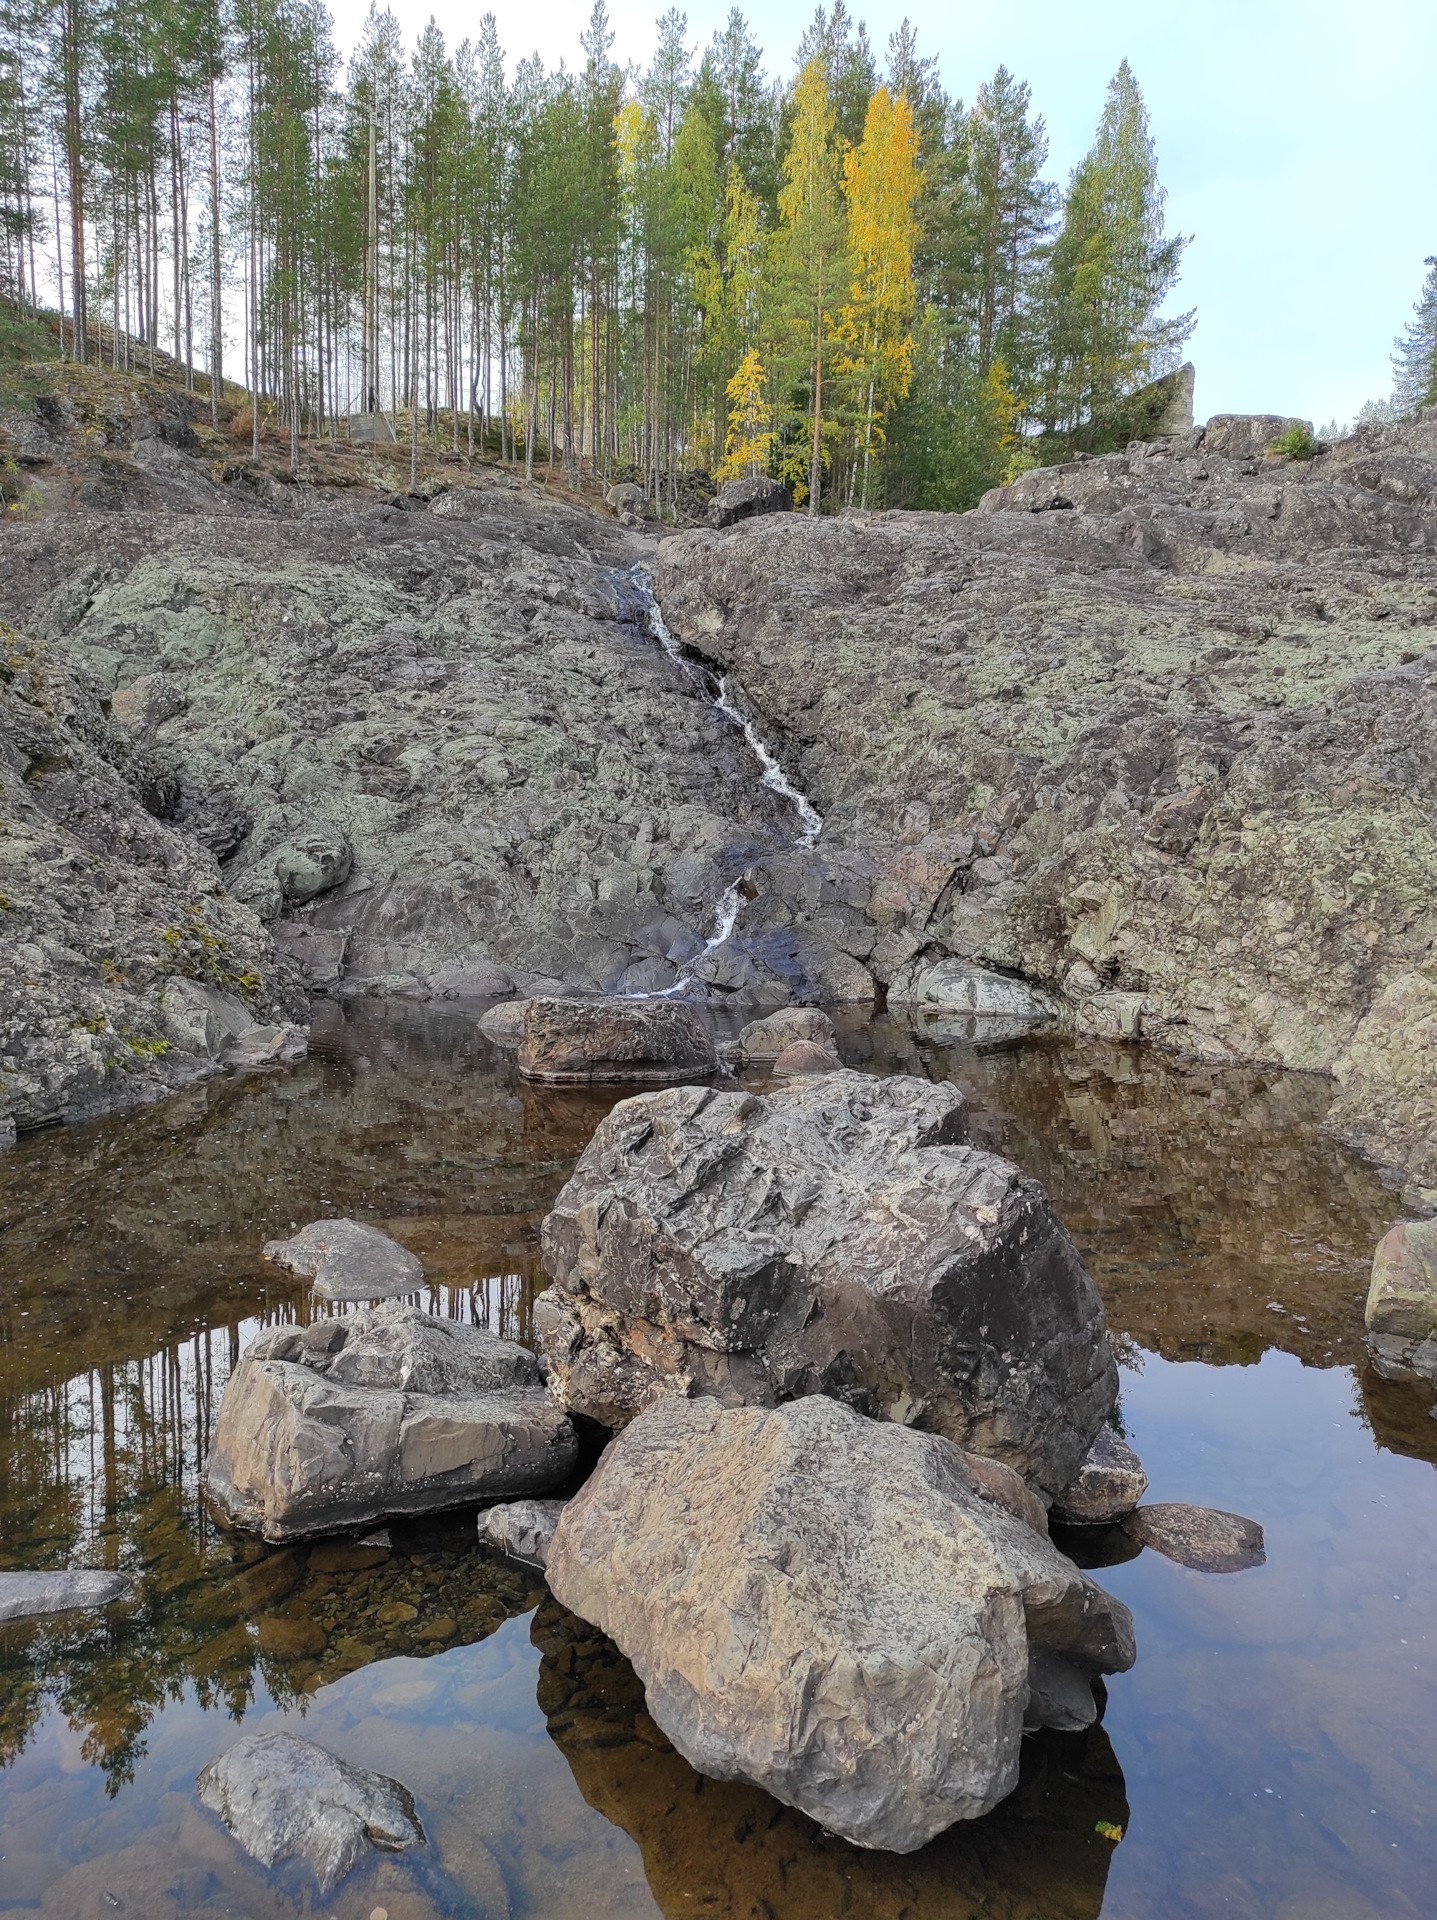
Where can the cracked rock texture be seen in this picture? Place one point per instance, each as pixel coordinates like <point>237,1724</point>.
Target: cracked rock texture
<point>1156,730</point>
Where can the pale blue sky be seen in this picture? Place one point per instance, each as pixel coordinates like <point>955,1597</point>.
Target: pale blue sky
<point>1297,140</point>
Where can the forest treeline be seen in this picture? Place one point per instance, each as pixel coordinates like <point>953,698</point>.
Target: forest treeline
<point>847,279</point>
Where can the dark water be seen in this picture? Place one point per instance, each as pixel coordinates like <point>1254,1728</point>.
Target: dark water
<point>1273,1753</point>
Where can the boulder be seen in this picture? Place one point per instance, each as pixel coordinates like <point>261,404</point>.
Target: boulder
<point>201,1019</point>
<point>570,1041</point>
<point>524,1529</point>
<point>386,1411</point>
<point>743,499</point>
<point>628,497</point>
<point>348,1260</point>
<point>1246,436</point>
<point>1402,1299</point>
<point>805,1056</point>
<point>1108,1485</point>
<point>278,1046</point>
<point>961,987</point>
<point>148,703</point>
<point>1204,1538</point>
<point>282,1797</point>
<point>23,1595</point>
<point>766,1039</point>
<point>824,1606</point>
<point>504,1024</point>
<point>312,864</point>
<point>835,1236</point>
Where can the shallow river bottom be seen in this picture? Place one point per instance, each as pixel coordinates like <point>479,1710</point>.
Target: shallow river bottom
<point>1273,1753</point>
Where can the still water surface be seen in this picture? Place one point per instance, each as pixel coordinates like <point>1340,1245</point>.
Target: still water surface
<point>1274,1753</point>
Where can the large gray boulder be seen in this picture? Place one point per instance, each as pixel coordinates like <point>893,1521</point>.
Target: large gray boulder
<point>1401,1310</point>
<point>349,1260</point>
<point>742,499</point>
<point>23,1595</point>
<point>281,1796</point>
<point>826,1606</point>
<point>572,1041</point>
<point>387,1411</point>
<point>836,1236</point>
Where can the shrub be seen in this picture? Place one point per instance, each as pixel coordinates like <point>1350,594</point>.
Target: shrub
<point>1297,443</point>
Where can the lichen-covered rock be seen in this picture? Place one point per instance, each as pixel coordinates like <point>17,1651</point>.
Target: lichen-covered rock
<point>634,1041</point>
<point>388,1411</point>
<point>824,1606</point>
<point>836,1236</point>
<point>349,1260</point>
<point>282,1796</point>
<point>1109,1484</point>
<point>1401,1311</point>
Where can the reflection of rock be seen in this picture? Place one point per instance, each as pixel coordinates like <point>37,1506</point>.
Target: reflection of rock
<point>524,1529</point>
<point>1108,1485</point>
<point>23,1595</point>
<point>388,1411</point>
<point>1402,1300</point>
<point>281,1796</point>
<point>634,1041</point>
<point>1202,1537</point>
<point>836,1237</point>
<point>727,1849</point>
<point>1402,1413</point>
<point>825,1606</point>
<point>348,1260</point>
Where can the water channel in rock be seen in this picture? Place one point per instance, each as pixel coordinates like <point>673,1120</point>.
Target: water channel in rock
<point>1274,1752</point>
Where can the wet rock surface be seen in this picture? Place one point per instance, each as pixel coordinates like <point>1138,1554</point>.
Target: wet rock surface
<point>348,1260</point>
<point>1108,1485</point>
<point>24,1595</point>
<point>1169,752</point>
<point>569,1042</point>
<point>835,1236</point>
<point>1203,1538</point>
<point>282,1796</point>
<point>823,1606</point>
<point>389,1411</point>
<point>522,1529</point>
<point>1401,1311</point>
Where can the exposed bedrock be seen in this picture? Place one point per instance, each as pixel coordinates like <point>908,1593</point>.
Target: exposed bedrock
<point>1156,731</point>
<point>837,1236</point>
<point>825,1606</point>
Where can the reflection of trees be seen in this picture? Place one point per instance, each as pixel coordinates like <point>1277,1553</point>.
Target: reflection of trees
<point>722,1848</point>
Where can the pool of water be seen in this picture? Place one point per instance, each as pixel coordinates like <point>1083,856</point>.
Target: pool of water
<point>1272,1754</point>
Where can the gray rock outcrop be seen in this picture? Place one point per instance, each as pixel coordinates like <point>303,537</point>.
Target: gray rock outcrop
<point>1107,1486</point>
<point>835,1236</point>
<point>283,1797</point>
<point>766,1039</point>
<point>349,1260</point>
<point>383,1412</point>
<point>1204,1538</point>
<point>744,499</point>
<point>635,1041</point>
<point>24,1595</point>
<point>823,1605</point>
<point>524,1529</point>
<point>1401,1311</point>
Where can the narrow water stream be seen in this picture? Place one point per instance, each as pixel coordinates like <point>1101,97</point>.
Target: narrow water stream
<point>1274,1752</point>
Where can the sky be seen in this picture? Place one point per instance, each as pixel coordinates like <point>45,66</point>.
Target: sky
<point>1295,139</point>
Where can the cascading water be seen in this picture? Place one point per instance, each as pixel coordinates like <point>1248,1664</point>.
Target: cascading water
<point>730,905</point>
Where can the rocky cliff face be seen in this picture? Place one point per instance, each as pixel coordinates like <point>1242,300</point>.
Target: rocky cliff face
<point>1157,730</point>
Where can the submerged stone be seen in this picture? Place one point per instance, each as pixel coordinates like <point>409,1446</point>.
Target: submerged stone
<point>25,1594</point>
<point>1204,1538</point>
<point>524,1529</point>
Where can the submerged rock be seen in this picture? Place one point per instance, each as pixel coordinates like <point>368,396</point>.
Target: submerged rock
<point>282,1797</point>
<point>23,1595</point>
<point>524,1529</point>
<point>387,1411</point>
<point>277,1046</point>
<point>806,1056</point>
<point>1401,1311</point>
<point>1204,1538</point>
<point>1108,1485</point>
<point>835,1236</point>
<point>349,1260</point>
<point>824,1606</point>
<point>572,1041</point>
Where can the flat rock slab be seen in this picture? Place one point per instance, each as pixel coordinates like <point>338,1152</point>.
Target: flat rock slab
<point>389,1411</point>
<point>1108,1485</point>
<point>635,1041</point>
<point>24,1595</point>
<point>828,1607</point>
<point>524,1529</point>
<point>349,1260</point>
<point>1401,1309</point>
<point>283,1797</point>
<point>1204,1538</point>
<point>835,1236</point>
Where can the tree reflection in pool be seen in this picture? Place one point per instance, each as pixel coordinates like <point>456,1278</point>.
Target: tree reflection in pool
<point>1277,1735</point>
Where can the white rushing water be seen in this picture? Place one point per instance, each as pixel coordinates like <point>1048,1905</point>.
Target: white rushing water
<point>772,776</point>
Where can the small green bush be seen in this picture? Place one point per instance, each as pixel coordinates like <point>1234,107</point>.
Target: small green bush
<point>1297,443</point>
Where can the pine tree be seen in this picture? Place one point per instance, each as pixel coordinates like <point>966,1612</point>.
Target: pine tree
<point>1414,358</point>
<point>881,186</point>
<point>810,277</point>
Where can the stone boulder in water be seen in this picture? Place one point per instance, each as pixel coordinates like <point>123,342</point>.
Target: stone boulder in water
<point>349,1260</point>
<point>572,1041</point>
<point>1401,1310</point>
<point>827,1607</point>
<point>835,1236</point>
<point>387,1411</point>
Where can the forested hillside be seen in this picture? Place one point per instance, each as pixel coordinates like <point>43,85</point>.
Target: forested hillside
<point>844,277</point>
